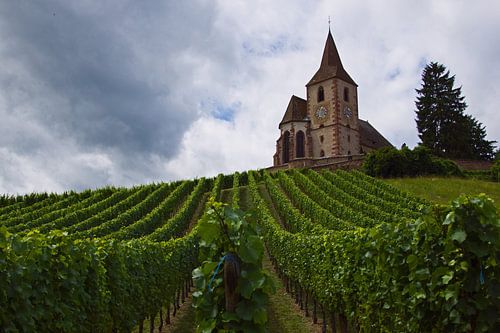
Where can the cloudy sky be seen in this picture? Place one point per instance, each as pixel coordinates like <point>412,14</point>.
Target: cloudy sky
<point>125,92</point>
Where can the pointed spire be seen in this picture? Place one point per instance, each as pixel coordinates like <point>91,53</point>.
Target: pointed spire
<point>331,65</point>
<point>331,56</point>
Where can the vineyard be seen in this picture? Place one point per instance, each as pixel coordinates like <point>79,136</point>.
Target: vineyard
<point>356,253</point>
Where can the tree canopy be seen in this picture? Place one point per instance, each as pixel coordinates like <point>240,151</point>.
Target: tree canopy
<point>442,124</point>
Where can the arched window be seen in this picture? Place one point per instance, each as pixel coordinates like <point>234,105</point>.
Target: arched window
<point>346,94</point>
<point>299,151</point>
<point>322,153</point>
<point>321,94</point>
<point>286,147</point>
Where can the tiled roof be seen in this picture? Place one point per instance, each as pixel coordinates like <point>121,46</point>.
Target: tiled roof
<point>331,66</point>
<point>370,137</point>
<point>296,110</point>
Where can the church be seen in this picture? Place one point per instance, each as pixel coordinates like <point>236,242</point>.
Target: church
<point>324,128</point>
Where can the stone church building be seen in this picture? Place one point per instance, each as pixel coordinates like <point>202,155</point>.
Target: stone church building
<point>324,128</point>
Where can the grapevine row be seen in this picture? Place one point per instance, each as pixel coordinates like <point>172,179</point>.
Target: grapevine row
<point>49,209</point>
<point>136,195</point>
<point>333,204</point>
<point>21,208</point>
<point>382,189</point>
<point>369,193</point>
<point>128,217</point>
<point>235,202</point>
<point>93,197</point>
<point>179,222</point>
<point>16,203</point>
<point>85,212</point>
<point>394,276</point>
<point>156,217</point>
<point>349,196</point>
<point>293,219</point>
<point>90,285</point>
<point>310,208</point>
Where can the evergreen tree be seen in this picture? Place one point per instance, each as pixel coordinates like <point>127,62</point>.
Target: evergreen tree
<point>441,123</point>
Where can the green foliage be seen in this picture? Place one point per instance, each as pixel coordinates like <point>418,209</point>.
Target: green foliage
<point>227,233</point>
<point>360,248</point>
<point>179,222</point>
<point>419,275</point>
<point>441,123</point>
<point>157,216</point>
<point>391,162</point>
<point>235,202</point>
<point>50,283</point>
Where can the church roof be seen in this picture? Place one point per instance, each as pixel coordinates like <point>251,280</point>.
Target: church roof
<point>296,110</point>
<point>370,137</point>
<point>331,66</point>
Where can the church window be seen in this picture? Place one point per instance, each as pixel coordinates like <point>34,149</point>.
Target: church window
<point>286,147</point>
<point>321,138</point>
<point>348,152</point>
<point>346,94</point>
<point>300,144</point>
<point>348,138</point>
<point>322,153</point>
<point>321,94</point>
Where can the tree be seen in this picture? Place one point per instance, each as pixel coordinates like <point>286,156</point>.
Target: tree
<point>441,123</point>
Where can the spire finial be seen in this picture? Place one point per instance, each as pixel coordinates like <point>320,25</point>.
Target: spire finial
<point>329,22</point>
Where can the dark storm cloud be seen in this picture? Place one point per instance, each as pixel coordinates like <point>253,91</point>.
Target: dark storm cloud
<point>94,73</point>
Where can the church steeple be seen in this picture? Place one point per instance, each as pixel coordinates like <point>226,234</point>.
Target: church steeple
<point>331,65</point>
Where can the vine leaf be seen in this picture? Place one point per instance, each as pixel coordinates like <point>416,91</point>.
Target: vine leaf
<point>459,236</point>
<point>251,250</point>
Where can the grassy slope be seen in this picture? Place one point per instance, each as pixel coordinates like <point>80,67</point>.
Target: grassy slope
<point>443,190</point>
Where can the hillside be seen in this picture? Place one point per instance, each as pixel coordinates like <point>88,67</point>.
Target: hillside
<point>349,248</point>
<point>443,190</point>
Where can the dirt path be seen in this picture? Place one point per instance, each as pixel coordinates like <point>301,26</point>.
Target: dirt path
<point>226,196</point>
<point>197,213</point>
<point>183,322</point>
<point>284,316</point>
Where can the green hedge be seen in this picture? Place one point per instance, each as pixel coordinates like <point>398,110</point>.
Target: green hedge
<point>391,162</point>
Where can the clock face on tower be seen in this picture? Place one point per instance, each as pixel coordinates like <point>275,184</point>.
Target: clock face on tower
<point>347,112</point>
<point>321,113</point>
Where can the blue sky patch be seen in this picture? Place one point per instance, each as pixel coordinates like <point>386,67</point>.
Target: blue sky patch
<point>221,111</point>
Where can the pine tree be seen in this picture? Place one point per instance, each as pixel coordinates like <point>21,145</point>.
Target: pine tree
<point>441,123</point>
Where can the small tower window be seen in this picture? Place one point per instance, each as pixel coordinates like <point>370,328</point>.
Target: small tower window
<point>322,153</point>
<point>321,94</point>
<point>346,94</point>
<point>321,138</point>
<point>348,138</point>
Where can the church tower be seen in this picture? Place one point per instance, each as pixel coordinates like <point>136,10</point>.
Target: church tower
<point>332,105</point>
<point>324,129</point>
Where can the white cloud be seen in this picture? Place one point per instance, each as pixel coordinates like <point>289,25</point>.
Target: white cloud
<point>188,63</point>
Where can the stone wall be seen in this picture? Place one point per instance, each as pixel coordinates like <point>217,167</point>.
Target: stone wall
<point>342,161</point>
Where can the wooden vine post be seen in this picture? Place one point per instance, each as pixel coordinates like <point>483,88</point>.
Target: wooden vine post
<point>232,271</point>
